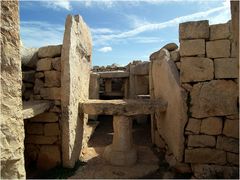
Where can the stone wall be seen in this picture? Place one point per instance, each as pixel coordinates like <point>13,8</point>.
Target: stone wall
<point>12,128</point>
<point>209,73</point>
<point>43,140</point>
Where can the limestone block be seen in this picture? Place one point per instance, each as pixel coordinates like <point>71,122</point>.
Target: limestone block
<point>52,78</point>
<point>233,49</point>
<point>233,158</point>
<point>178,65</point>
<point>39,84</point>
<point>45,117</point>
<point>201,141</point>
<point>219,31</point>
<point>192,47</point>
<point>193,125</point>
<point>218,48</point>
<point>29,56</point>
<point>49,157</point>
<point>141,69</point>
<point>28,76</point>
<point>34,128</point>
<point>194,69</point>
<point>158,140</point>
<point>38,139</point>
<point>226,68</point>
<point>31,152</point>
<point>194,30</point>
<point>50,51</point>
<point>231,128</point>
<point>170,46</point>
<point>214,98</point>
<point>187,87</point>
<point>39,75</point>
<point>141,84</point>
<point>56,63</point>
<point>204,171</point>
<point>212,126</point>
<point>53,93</point>
<point>44,64</point>
<point>228,144</point>
<point>51,129</point>
<point>233,117</point>
<point>205,155</point>
<point>175,55</point>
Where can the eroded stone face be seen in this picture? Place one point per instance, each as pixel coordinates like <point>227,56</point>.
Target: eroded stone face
<point>218,48</point>
<point>226,68</point>
<point>192,47</point>
<point>219,31</point>
<point>49,51</point>
<point>214,98</point>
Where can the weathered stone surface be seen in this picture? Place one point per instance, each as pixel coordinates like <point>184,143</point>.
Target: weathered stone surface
<point>204,171</point>
<point>219,31</point>
<point>214,98</point>
<point>39,75</point>
<point>33,108</point>
<point>39,84</point>
<point>194,30</point>
<point>94,86</point>
<point>194,69</point>
<point>12,127</point>
<point>29,56</point>
<point>141,84</point>
<point>51,129</point>
<point>52,78</point>
<point>235,26</point>
<point>50,51</point>
<point>164,83</point>
<point>44,64</point>
<point>193,125</point>
<point>226,68</point>
<point>45,117</point>
<point>28,76</point>
<point>231,128</point>
<point>127,107</point>
<point>233,50</point>
<point>205,155</point>
<point>201,141</point>
<point>175,55</point>
<point>53,93</point>
<point>56,63</point>
<point>49,157</point>
<point>192,47</point>
<point>233,158</point>
<point>212,126</point>
<point>233,117</point>
<point>141,69</point>
<point>228,144</point>
<point>170,46</point>
<point>218,48</point>
<point>114,74</point>
<point>34,128</point>
<point>158,140</point>
<point>76,62</point>
<point>38,139</point>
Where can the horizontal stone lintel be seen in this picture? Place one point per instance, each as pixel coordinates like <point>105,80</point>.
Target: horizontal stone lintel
<point>123,107</point>
<point>114,74</point>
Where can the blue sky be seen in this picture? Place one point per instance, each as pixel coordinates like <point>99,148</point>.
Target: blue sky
<point>122,31</point>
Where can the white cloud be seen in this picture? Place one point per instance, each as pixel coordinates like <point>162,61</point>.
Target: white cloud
<point>58,4</point>
<point>101,30</point>
<point>105,49</point>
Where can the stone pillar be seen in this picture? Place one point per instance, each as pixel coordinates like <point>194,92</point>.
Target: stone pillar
<point>108,85</point>
<point>235,25</point>
<point>12,127</point>
<point>94,86</point>
<point>75,74</point>
<point>121,151</point>
<point>126,87</point>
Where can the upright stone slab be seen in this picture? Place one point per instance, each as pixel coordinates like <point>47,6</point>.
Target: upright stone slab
<point>75,65</point>
<point>12,127</point>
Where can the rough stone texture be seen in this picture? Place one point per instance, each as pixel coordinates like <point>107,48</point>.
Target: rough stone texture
<point>204,171</point>
<point>193,125</point>
<point>29,56</point>
<point>214,98</point>
<point>38,85</point>
<point>194,69</point>
<point>44,64</point>
<point>12,128</point>
<point>45,117</point>
<point>49,157</point>
<point>51,129</point>
<point>164,83</point>
<point>50,51</point>
<point>34,128</point>
<point>53,93</point>
<point>141,84</point>
<point>201,141</point>
<point>39,75</point>
<point>218,48</point>
<point>205,155</point>
<point>233,158</point>
<point>76,64</point>
<point>56,63</point>
<point>219,31</point>
<point>170,46</point>
<point>192,47</point>
<point>158,140</point>
<point>228,144</point>
<point>28,76</point>
<point>38,139</point>
<point>33,108</point>
<point>52,79</point>
<point>226,68</point>
<point>231,128</point>
<point>212,126</point>
<point>94,86</point>
<point>175,55</point>
<point>194,30</point>
<point>141,69</point>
